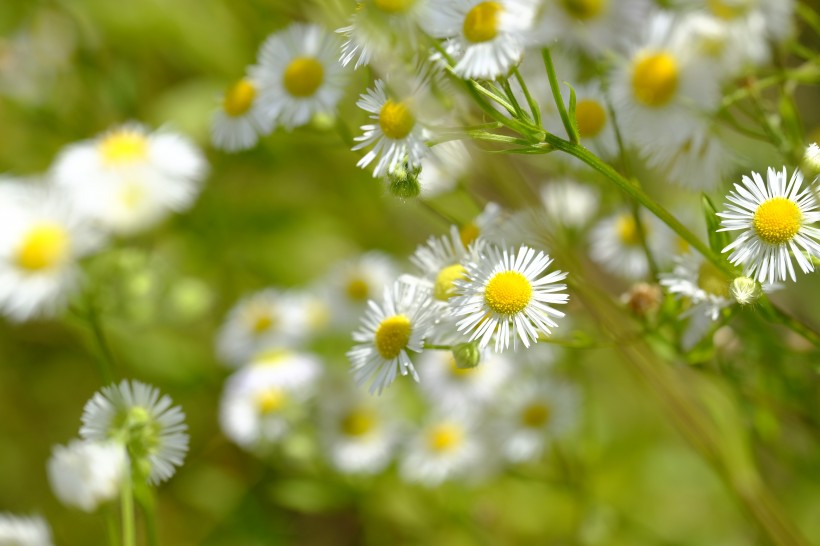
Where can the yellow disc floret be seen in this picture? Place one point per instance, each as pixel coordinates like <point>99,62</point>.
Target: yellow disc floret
<point>777,220</point>
<point>396,120</point>
<point>591,117</point>
<point>728,10</point>
<point>481,22</point>
<point>44,247</point>
<point>508,292</point>
<point>123,146</point>
<point>655,79</point>
<point>469,233</point>
<point>535,415</point>
<point>357,289</point>
<point>392,336</point>
<point>444,437</point>
<point>584,9</point>
<point>303,76</point>
<point>712,280</point>
<point>628,230</point>
<point>239,98</point>
<point>445,288</point>
<point>394,6</point>
<point>358,422</point>
<point>270,400</point>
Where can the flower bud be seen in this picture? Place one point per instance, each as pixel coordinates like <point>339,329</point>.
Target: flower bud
<point>466,355</point>
<point>745,290</point>
<point>643,298</point>
<point>811,161</point>
<point>404,181</point>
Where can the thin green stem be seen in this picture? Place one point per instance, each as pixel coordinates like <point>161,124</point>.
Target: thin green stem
<point>536,111</point>
<point>111,525</point>
<point>106,363</point>
<point>519,112</point>
<point>574,137</point>
<point>129,531</point>
<point>434,347</point>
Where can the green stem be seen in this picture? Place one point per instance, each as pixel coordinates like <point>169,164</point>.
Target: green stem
<point>129,531</point>
<point>519,113</point>
<point>106,364</point>
<point>438,347</point>
<point>536,111</point>
<point>574,137</point>
<point>111,525</point>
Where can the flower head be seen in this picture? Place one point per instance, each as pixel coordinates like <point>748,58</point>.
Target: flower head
<point>85,474</point>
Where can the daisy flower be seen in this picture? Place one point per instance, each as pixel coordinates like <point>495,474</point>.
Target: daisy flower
<point>388,332</point>
<point>349,284</point>
<point>128,179</point>
<point>775,219</point>
<point>699,281</point>
<point>145,422</point>
<point>486,37</point>
<point>508,295</point>
<point>240,118</point>
<point>595,127</point>
<point>41,240</point>
<point>298,74</point>
<point>568,203</point>
<point>87,474</point>
<point>442,168</point>
<point>485,225</point>
<point>441,262</point>
<point>24,531</point>
<point>615,243</point>
<point>451,388</point>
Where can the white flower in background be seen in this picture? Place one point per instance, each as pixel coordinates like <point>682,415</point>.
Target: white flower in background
<point>615,244</point>
<point>41,239</point>
<point>136,415</point>
<point>299,75</point>
<point>508,295</point>
<point>261,402</point>
<point>350,283</point>
<point>595,126</point>
<point>87,474</point>
<point>811,159</point>
<point>486,225</point>
<point>775,220</point>
<point>24,531</point>
<point>569,203</point>
<point>700,282</point>
<point>536,412</point>
<point>758,20</point>
<point>450,388</point>
<point>388,332</point>
<point>442,168</point>
<point>263,320</point>
<point>441,262</point>
<point>240,118</point>
<point>487,38</point>
<point>129,179</point>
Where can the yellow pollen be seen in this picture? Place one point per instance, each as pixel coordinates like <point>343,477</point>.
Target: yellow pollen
<point>303,76</point>
<point>591,118</point>
<point>392,336</point>
<point>777,220</point>
<point>469,233</point>
<point>239,98</point>
<point>481,22</point>
<point>357,289</point>
<point>393,6</point>
<point>396,120</point>
<point>358,422</point>
<point>444,289</point>
<point>508,292</point>
<point>628,230</point>
<point>584,9</point>
<point>712,281</point>
<point>655,79</point>
<point>270,400</point>
<point>536,415</point>
<point>728,10</point>
<point>43,247</point>
<point>444,437</point>
<point>123,146</point>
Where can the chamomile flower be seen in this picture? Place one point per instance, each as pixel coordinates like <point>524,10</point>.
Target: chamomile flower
<point>615,243</point>
<point>129,179</point>
<point>699,281</point>
<point>509,295</point>
<point>441,262</point>
<point>443,167</point>
<point>298,74</point>
<point>451,388</point>
<point>240,118</point>
<point>388,332</point>
<point>41,240</point>
<point>398,136</point>
<point>486,37</point>
<point>595,127</point>
<point>759,20</point>
<point>136,415</point>
<point>568,203</point>
<point>87,474</point>
<point>775,219</point>
<point>24,531</point>
<point>486,225</point>
<point>350,283</point>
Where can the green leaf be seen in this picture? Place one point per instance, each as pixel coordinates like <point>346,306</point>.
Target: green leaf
<point>575,136</point>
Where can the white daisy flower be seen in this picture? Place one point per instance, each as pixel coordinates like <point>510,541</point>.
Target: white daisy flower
<point>299,75</point>
<point>87,474</point>
<point>595,127</point>
<point>486,225</point>
<point>615,244</point>
<point>24,531</point>
<point>775,219</point>
<point>762,20</point>
<point>128,179</point>
<point>136,415</point>
<point>267,319</point>
<point>441,262</point>
<point>811,158</point>
<point>442,168</point>
<point>240,118</point>
<point>487,37</point>
<point>399,136</point>
<point>450,388</point>
<point>388,331</point>
<point>41,240</point>
<point>699,281</point>
<point>508,295</point>
<point>262,401</point>
<point>350,283</point>
<point>568,203</point>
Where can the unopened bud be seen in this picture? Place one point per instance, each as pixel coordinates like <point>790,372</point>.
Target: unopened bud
<point>811,161</point>
<point>466,355</point>
<point>404,181</point>
<point>745,290</point>
<point>643,298</point>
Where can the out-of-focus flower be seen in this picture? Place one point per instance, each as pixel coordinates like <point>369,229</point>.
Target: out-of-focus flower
<point>86,474</point>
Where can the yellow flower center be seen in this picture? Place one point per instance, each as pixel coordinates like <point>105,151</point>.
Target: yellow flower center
<point>239,98</point>
<point>393,6</point>
<point>535,415</point>
<point>777,220</point>
<point>729,10</point>
<point>591,117</point>
<point>655,79</point>
<point>584,9</point>
<point>481,22</point>
<point>445,288</point>
<point>270,400</point>
<point>444,437</point>
<point>396,120</point>
<point>392,336</point>
<point>712,280</point>
<point>358,422</point>
<point>44,246</point>
<point>469,233</point>
<point>508,292</point>
<point>123,146</point>
<point>303,76</point>
<point>628,230</point>
<point>357,289</point>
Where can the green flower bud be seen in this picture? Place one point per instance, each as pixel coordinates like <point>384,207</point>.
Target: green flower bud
<point>404,181</point>
<point>745,290</point>
<point>466,355</point>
